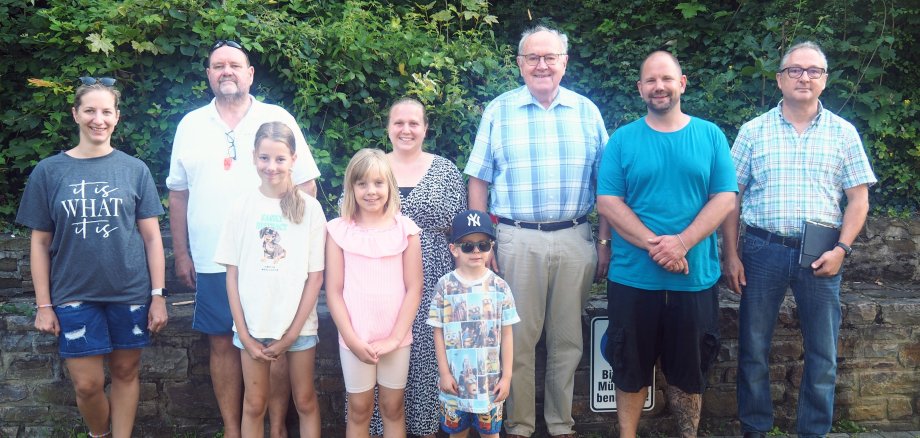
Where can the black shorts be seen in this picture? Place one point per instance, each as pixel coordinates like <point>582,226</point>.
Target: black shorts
<point>682,328</point>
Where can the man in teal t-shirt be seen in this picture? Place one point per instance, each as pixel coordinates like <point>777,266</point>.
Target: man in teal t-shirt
<point>665,184</point>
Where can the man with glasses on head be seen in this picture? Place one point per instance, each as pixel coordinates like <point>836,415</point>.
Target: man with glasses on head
<point>534,168</point>
<point>793,163</point>
<point>211,165</point>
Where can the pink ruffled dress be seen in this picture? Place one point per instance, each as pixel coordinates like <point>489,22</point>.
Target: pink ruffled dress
<point>374,288</point>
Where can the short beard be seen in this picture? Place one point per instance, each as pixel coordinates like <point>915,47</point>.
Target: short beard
<point>662,110</point>
<point>232,99</point>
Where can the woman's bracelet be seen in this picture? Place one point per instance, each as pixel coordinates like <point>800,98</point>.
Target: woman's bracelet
<point>682,242</point>
<point>42,306</point>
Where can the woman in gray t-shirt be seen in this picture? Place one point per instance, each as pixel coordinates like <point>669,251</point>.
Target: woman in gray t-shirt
<point>97,260</point>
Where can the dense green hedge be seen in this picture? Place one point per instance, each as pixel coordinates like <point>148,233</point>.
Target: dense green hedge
<point>337,64</point>
<point>730,51</point>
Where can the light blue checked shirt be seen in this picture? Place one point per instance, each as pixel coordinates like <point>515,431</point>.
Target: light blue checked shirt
<point>791,177</point>
<point>541,163</point>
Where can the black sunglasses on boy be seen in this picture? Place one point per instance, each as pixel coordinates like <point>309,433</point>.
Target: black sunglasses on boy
<point>467,247</point>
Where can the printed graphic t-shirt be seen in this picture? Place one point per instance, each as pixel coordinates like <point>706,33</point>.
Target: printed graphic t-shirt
<point>91,206</point>
<point>274,257</point>
<point>471,314</point>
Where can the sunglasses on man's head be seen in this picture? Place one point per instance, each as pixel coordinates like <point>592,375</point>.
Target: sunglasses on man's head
<point>89,80</point>
<point>468,247</point>
<point>228,43</point>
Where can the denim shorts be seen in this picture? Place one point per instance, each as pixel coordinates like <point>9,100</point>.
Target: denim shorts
<point>300,344</point>
<point>212,307</point>
<point>93,328</point>
<point>456,421</point>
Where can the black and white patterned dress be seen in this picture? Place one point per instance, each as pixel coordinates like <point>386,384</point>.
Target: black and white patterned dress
<point>439,195</point>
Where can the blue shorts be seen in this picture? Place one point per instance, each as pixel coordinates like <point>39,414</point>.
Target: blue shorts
<point>456,421</point>
<point>212,307</point>
<point>300,344</point>
<point>93,328</point>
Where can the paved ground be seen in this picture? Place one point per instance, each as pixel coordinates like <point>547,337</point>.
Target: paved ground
<point>910,434</point>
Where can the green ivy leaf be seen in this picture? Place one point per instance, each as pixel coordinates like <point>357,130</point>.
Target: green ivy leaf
<point>177,14</point>
<point>145,46</point>
<point>444,15</point>
<point>689,10</point>
<point>100,43</point>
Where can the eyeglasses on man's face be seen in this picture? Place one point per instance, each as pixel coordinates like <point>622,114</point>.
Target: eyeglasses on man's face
<point>89,80</point>
<point>549,59</point>
<point>796,72</point>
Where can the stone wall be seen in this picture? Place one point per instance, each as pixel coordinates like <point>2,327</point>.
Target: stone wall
<point>878,384</point>
<point>888,250</point>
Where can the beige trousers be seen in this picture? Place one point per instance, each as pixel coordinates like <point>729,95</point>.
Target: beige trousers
<point>550,274</point>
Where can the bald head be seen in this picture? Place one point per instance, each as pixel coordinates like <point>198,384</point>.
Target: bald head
<point>656,55</point>
<point>661,83</point>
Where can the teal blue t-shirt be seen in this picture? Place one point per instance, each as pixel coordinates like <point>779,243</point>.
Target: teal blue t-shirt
<point>666,178</point>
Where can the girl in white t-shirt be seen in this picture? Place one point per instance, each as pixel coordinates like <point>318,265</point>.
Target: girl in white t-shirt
<point>373,289</point>
<point>272,245</point>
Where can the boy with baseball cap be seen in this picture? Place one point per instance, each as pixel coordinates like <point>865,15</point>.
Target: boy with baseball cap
<point>470,306</point>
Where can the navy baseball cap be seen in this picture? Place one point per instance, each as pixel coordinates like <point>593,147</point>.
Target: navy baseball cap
<point>471,221</point>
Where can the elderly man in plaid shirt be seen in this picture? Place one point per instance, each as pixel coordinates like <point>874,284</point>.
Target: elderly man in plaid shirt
<point>793,163</point>
<point>535,161</point>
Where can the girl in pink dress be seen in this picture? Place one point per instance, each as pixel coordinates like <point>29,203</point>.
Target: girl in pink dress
<point>373,290</point>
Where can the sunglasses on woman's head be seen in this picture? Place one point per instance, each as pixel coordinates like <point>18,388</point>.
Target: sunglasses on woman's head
<point>467,247</point>
<point>89,80</point>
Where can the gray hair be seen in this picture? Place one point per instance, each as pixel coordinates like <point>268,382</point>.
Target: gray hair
<point>803,45</point>
<point>564,40</point>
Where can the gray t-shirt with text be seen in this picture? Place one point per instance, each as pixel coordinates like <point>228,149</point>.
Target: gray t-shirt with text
<point>91,206</point>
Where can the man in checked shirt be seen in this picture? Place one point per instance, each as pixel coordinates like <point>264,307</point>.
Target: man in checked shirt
<point>534,167</point>
<point>793,163</point>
